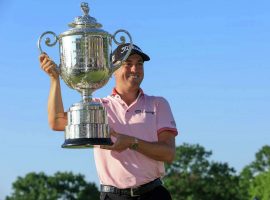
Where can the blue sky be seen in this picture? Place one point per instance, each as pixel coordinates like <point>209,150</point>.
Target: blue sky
<point>209,59</point>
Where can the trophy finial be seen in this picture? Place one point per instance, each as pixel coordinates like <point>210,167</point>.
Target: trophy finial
<point>85,8</point>
<point>85,20</point>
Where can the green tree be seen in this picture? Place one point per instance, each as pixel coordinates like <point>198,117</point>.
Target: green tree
<point>261,162</point>
<point>193,177</point>
<point>255,176</point>
<point>62,185</point>
<point>260,186</point>
<point>245,180</point>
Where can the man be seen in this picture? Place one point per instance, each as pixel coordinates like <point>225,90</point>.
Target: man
<point>142,128</point>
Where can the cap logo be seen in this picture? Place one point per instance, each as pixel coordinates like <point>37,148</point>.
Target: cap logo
<point>126,48</point>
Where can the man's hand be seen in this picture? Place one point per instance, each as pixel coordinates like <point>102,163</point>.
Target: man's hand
<point>48,66</point>
<point>122,142</point>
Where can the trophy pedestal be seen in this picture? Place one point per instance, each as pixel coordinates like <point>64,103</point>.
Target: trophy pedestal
<point>87,126</point>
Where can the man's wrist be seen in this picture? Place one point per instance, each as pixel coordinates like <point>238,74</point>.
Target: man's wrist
<point>135,144</point>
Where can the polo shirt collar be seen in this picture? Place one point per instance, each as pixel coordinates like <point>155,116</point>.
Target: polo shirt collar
<point>115,93</point>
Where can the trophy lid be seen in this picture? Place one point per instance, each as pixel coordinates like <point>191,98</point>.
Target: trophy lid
<point>85,20</point>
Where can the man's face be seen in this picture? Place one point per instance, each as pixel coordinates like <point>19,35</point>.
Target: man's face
<point>131,72</point>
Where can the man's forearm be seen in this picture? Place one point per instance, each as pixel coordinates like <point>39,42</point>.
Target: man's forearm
<point>56,115</point>
<point>161,151</point>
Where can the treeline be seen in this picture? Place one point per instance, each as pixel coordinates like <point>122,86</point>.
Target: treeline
<point>62,185</point>
<point>192,176</point>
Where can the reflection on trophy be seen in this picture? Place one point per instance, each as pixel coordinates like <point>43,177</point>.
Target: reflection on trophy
<point>85,66</point>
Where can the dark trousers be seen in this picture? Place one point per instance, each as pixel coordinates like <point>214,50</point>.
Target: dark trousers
<point>159,192</point>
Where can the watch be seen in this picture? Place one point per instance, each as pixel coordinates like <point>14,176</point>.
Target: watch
<point>135,144</point>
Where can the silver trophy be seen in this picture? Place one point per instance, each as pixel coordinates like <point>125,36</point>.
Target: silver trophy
<point>85,66</point>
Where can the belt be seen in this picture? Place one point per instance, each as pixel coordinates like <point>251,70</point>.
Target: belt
<point>136,191</point>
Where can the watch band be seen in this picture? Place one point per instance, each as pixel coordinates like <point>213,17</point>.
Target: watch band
<point>135,144</point>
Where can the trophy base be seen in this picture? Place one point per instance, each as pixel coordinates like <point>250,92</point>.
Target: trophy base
<point>81,143</point>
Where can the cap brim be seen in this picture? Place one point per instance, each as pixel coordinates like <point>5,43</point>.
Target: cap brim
<point>144,56</point>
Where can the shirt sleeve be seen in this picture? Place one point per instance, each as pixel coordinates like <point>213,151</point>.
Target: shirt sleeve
<point>165,120</point>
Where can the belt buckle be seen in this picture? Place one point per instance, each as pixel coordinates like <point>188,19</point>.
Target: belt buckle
<point>132,193</point>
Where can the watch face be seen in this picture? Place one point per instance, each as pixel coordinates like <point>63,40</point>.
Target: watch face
<point>134,146</point>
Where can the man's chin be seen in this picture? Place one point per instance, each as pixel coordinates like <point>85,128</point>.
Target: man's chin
<point>134,83</point>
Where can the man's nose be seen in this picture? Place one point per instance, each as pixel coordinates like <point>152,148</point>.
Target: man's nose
<point>134,68</point>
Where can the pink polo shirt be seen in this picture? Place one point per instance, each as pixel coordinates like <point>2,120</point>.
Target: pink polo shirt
<point>145,118</point>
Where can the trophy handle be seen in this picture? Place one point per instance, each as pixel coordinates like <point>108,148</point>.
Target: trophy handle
<point>47,41</point>
<point>118,64</point>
